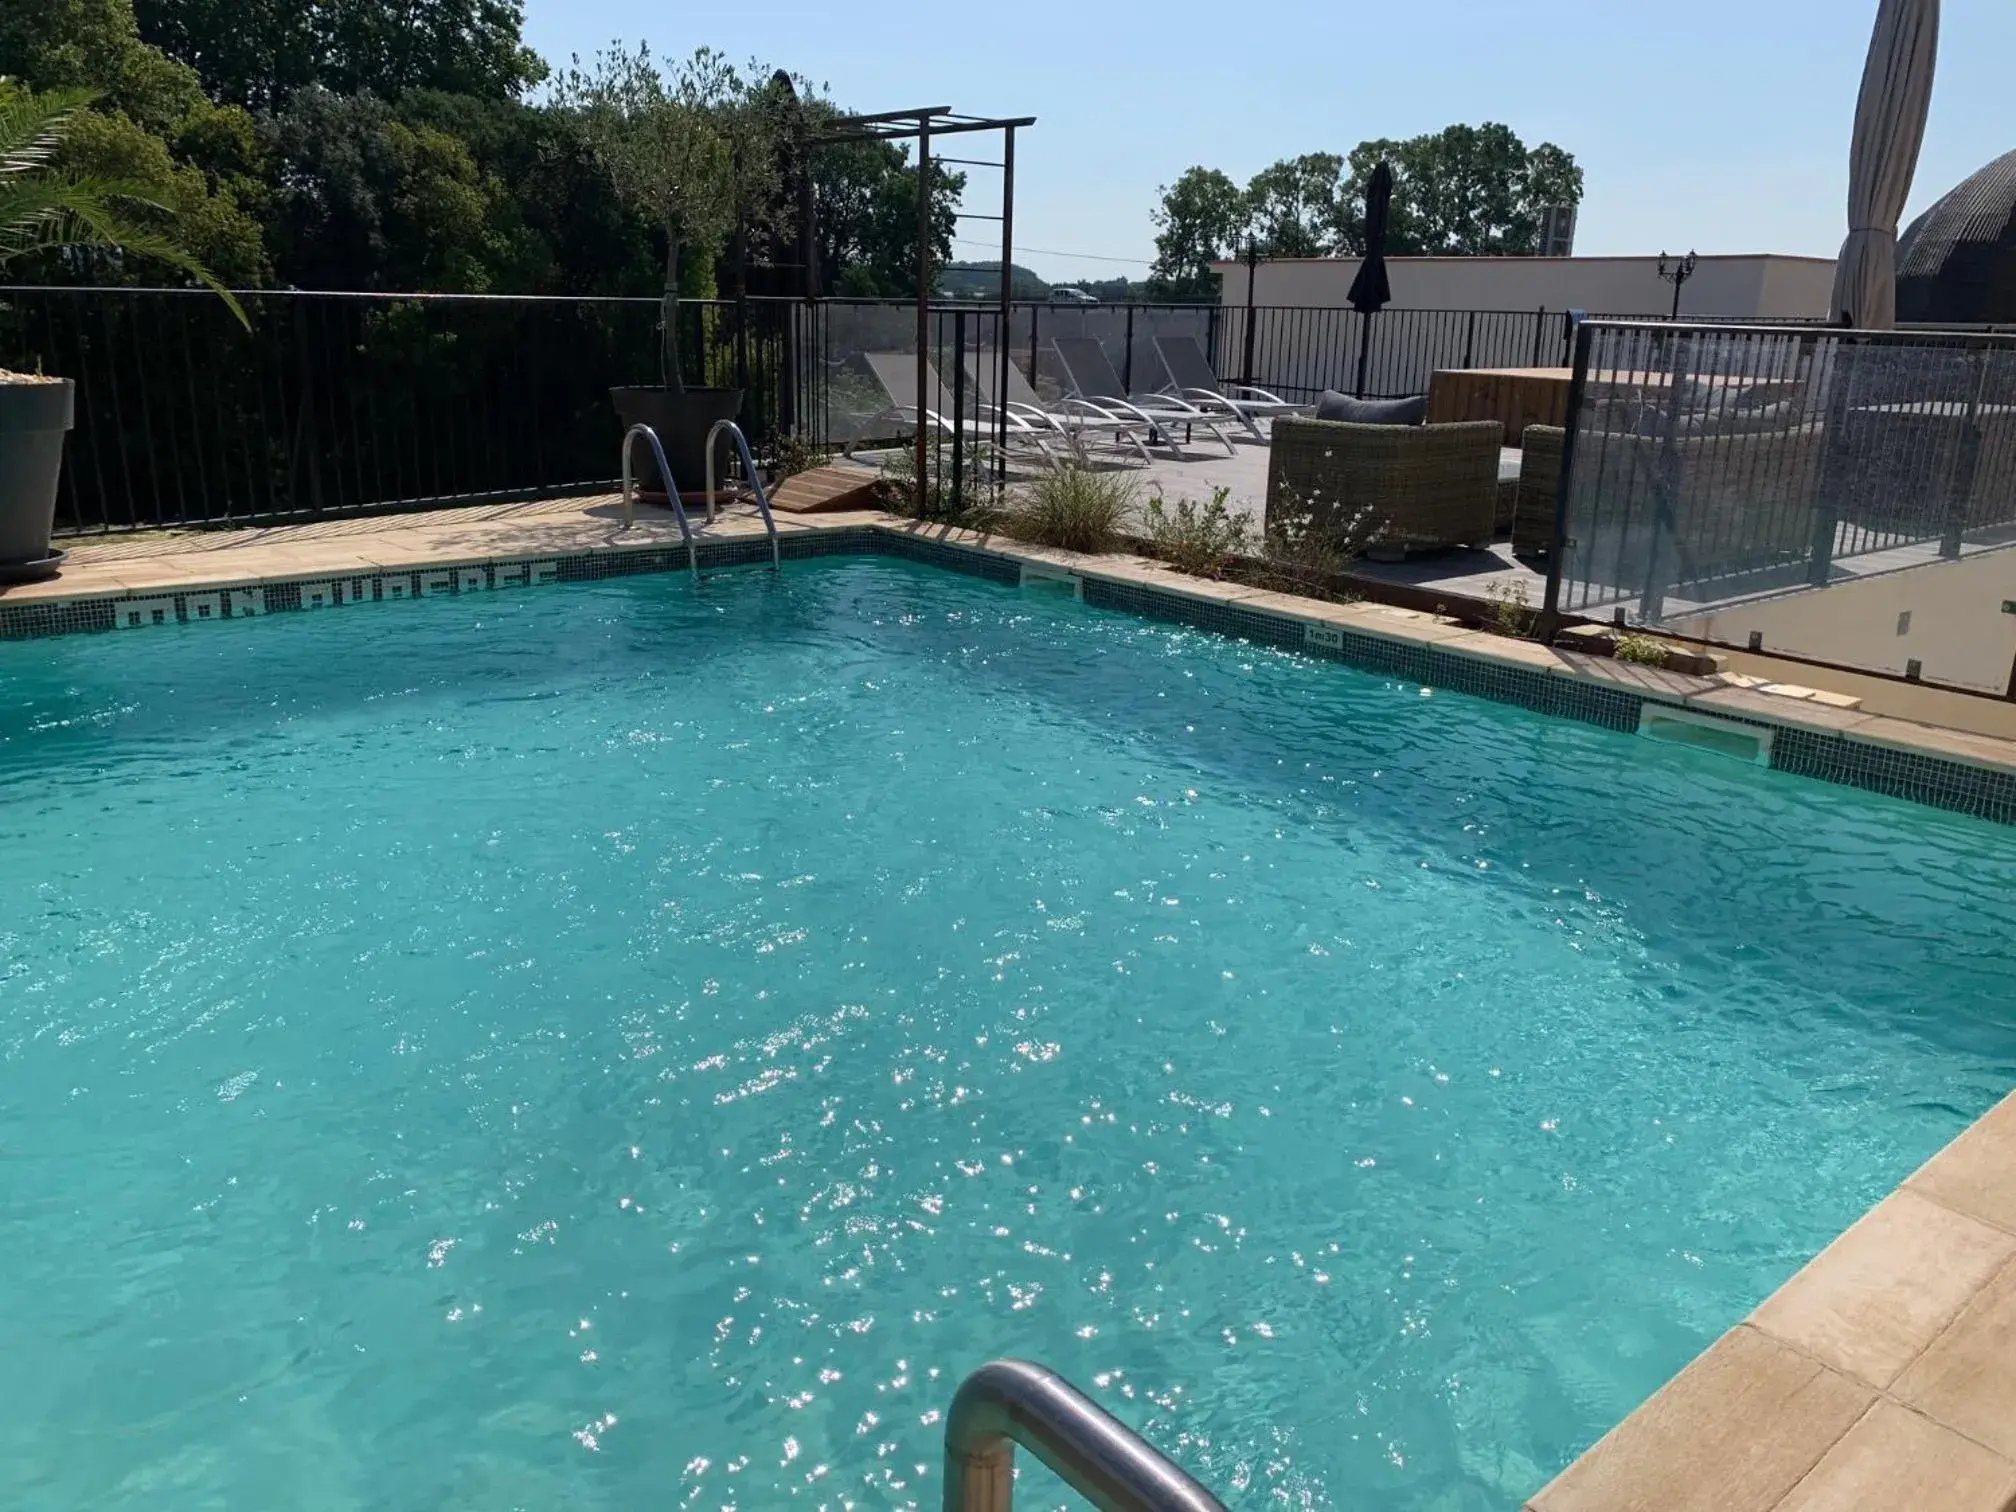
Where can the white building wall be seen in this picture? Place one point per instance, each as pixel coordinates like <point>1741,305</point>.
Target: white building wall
<point>1764,285</point>
<point>1455,312</point>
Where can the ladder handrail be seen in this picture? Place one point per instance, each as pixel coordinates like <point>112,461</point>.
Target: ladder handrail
<point>1010,1402</point>
<point>749,470</point>
<point>671,492</point>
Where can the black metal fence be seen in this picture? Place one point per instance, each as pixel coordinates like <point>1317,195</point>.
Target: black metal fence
<point>354,402</point>
<point>1845,496</point>
<point>336,402</point>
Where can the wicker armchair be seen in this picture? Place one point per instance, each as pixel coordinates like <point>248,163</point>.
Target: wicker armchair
<point>1539,487</point>
<point>1406,487</point>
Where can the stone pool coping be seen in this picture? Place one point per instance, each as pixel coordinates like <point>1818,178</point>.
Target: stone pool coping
<point>1882,1375</point>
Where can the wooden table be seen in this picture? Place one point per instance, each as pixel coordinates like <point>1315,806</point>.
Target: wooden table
<point>1515,397</point>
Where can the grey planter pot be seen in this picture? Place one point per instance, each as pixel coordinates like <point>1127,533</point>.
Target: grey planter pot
<point>34,417</point>
<point>682,422</point>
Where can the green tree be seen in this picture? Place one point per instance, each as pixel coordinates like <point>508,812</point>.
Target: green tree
<point>149,127</point>
<point>1552,178</point>
<point>864,212</point>
<point>1295,205</point>
<point>1467,191</point>
<point>371,201</point>
<point>1349,230</point>
<point>258,52</point>
<point>553,217</point>
<point>1200,220</point>
<point>688,149</point>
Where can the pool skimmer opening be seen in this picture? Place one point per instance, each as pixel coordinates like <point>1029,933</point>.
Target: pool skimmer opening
<point>1726,737</point>
<point>1052,580</point>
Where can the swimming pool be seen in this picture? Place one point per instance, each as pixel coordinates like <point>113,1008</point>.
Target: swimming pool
<point>620,1043</point>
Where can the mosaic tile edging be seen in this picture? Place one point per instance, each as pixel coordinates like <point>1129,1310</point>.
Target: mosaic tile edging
<point>1982,792</point>
<point>1920,777</point>
<point>310,590</point>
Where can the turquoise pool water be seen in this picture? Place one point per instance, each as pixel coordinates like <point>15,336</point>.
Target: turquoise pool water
<point>615,1046</point>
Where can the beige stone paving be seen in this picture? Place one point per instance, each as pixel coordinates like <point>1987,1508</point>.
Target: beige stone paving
<point>436,538</point>
<point>1895,1458</point>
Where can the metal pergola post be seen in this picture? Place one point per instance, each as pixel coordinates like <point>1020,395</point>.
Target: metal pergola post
<point>921,126</point>
<point>1007,303</point>
<point>924,307</point>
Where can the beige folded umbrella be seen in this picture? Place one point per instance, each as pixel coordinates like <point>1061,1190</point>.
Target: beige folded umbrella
<point>1889,128</point>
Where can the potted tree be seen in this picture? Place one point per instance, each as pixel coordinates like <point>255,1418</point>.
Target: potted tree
<point>696,152</point>
<point>41,208</point>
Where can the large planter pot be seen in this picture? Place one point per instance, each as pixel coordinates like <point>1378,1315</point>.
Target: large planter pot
<point>682,421</point>
<point>34,414</point>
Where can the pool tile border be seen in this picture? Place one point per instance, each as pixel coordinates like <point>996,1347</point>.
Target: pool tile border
<point>1972,775</point>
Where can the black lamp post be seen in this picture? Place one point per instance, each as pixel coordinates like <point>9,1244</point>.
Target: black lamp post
<point>1676,271</point>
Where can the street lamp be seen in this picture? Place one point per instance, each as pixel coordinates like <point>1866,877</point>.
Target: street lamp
<point>1676,271</point>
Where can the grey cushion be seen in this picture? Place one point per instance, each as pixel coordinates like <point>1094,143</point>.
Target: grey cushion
<point>1336,406</point>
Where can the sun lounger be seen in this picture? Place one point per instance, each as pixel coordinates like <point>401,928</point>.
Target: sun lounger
<point>1077,421</point>
<point>1091,378</point>
<point>896,372</point>
<point>1191,378</point>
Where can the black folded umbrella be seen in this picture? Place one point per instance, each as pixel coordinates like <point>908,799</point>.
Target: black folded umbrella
<point>1370,292</point>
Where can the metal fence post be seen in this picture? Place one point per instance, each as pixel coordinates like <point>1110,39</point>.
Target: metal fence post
<point>1578,384</point>
<point>958,405</point>
<point>788,358</point>
<point>1966,466</point>
<point>1252,276</point>
<point>309,453</point>
<point>1834,463</point>
<point>1539,334</point>
<point>1470,340</point>
<point>1667,478</point>
<point>1127,358</point>
<point>1035,315</point>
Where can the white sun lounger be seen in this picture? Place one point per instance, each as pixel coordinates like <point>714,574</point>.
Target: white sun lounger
<point>896,372</point>
<point>1075,420</point>
<point>1191,378</point>
<point>1091,378</point>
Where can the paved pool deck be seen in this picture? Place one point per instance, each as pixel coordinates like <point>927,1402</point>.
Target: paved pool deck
<point>1882,1376</point>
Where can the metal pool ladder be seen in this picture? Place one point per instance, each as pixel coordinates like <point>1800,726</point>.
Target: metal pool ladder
<point>671,493</point>
<point>749,472</point>
<point>1012,1402</point>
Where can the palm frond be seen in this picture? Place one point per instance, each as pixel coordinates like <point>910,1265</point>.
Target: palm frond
<point>78,213</point>
<point>24,199</point>
<point>40,209</point>
<point>32,126</point>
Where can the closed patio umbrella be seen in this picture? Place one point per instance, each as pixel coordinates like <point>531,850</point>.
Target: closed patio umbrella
<point>1889,128</point>
<point>1370,291</point>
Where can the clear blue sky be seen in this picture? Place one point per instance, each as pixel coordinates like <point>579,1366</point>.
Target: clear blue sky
<point>1720,125</point>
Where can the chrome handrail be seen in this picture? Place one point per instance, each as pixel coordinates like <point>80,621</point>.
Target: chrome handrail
<point>749,470</point>
<point>1010,1402</point>
<point>671,493</point>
